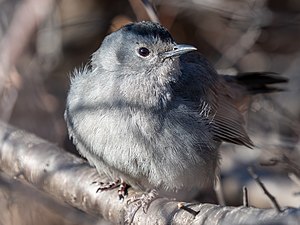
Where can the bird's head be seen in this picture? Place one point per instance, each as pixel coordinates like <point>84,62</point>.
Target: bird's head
<point>139,47</point>
<point>143,57</point>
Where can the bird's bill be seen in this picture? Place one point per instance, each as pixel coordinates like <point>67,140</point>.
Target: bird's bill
<point>178,50</point>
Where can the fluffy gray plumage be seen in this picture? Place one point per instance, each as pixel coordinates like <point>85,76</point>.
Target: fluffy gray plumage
<point>155,121</point>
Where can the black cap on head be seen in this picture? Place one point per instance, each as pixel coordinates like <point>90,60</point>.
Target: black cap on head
<point>151,29</point>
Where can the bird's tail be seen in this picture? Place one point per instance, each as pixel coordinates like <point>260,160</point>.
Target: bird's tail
<point>257,82</point>
<point>245,85</point>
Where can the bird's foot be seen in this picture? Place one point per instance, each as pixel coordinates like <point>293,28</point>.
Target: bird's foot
<point>120,184</point>
<point>123,190</point>
<point>138,202</point>
<point>103,186</point>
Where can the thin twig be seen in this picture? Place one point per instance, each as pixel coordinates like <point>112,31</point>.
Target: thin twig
<point>150,10</point>
<point>294,178</point>
<point>270,196</point>
<point>219,192</point>
<point>144,10</point>
<point>190,210</point>
<point>271,162</point>
<point>245,197</point>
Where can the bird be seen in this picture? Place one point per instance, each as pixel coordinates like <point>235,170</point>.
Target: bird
<point>152,114</point>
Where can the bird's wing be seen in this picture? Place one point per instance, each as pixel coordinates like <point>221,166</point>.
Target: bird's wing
<point>227,120</point>
<point>233,95</point>
<point>217,102</point>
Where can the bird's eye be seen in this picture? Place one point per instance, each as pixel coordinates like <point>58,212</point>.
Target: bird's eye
<point>144,51</point>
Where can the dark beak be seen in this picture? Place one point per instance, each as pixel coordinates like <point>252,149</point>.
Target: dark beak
<point>178,50</point>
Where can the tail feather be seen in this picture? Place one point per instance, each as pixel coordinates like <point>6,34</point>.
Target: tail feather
<point>258,82</point>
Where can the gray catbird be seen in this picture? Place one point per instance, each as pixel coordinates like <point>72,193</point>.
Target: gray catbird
<point>153,113</point>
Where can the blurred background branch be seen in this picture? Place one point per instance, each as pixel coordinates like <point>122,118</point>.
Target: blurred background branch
<point>27,17</point>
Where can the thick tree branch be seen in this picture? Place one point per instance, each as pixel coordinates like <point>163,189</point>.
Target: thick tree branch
<point>69,179</point>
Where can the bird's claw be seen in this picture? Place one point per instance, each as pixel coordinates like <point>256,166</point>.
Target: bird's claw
<point>107,186</point>
<point>120,184</point>
<point>123,190</point>
<point>138,202</point>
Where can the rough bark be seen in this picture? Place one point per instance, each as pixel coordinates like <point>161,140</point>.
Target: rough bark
<point>69,179</point>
